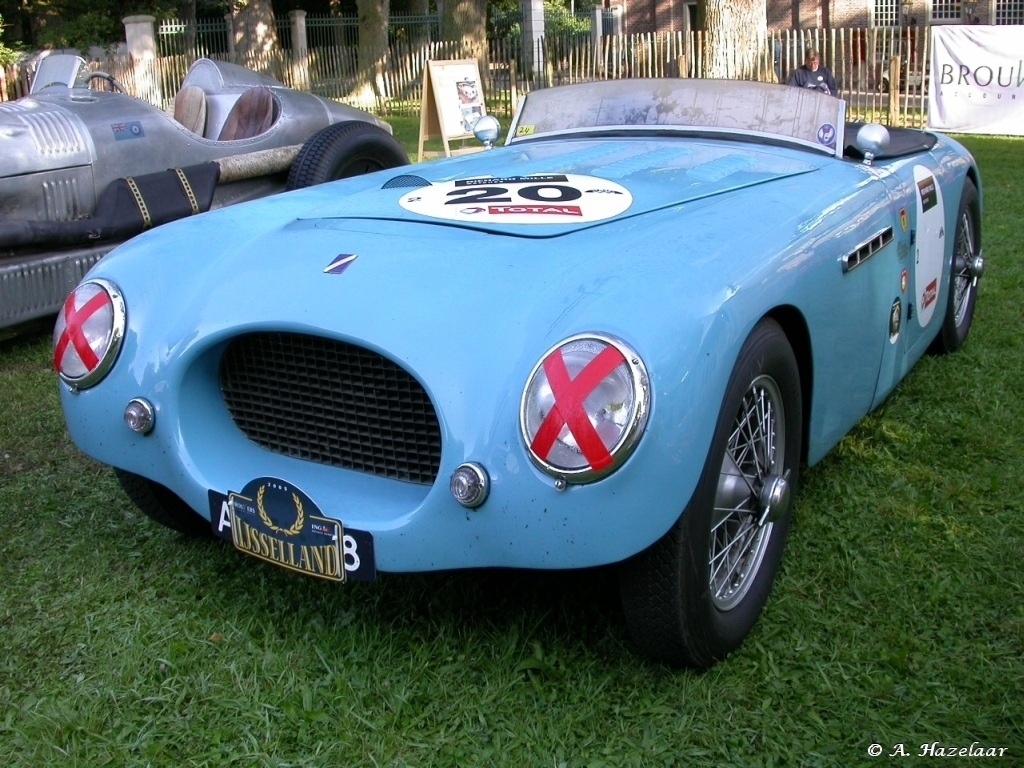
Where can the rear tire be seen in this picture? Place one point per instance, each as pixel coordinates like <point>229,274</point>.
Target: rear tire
<point>163,505</point>
<point>963,281</point>
<point>345,149</point>
<point>693,596</point>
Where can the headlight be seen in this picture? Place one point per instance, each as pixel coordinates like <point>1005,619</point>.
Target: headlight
<point>88,334</point>
<point>585,407</point>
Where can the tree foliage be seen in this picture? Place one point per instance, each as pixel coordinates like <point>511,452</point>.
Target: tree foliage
<point>504,20</point>
<point>7,55</point>
<point>84,23</point>
<point>92,28</point>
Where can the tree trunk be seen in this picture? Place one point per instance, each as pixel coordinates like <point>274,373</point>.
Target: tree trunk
<point>187,13</point>
<point>373,50</point>
<point>735,38</point>
<point>420,33</point>
<point>466,20</point>
<point>255,28</point>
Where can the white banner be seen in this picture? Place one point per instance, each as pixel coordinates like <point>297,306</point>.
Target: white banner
<point>977,80</point>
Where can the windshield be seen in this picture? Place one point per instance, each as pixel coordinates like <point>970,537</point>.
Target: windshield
<point>774,112</point>
<point>57,69</point>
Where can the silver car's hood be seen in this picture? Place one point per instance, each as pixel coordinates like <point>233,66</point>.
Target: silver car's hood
<point>38,134</point>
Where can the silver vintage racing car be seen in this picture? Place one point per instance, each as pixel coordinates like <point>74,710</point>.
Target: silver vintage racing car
<point>83,168</point>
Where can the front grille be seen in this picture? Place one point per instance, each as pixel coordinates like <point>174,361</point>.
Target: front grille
<point>331,403</point>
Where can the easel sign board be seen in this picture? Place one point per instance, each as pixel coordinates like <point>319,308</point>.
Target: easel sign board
<point>452,101</point>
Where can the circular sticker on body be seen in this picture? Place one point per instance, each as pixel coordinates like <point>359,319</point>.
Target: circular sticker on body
<point>552,198</point>
<point>827,135</point>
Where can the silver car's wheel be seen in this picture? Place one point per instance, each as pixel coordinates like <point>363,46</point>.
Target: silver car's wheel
<point>342,150</point>
<point>966,270</point>
<point>694,595</point>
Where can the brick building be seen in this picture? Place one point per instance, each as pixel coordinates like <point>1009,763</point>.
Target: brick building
<point>641,16</point>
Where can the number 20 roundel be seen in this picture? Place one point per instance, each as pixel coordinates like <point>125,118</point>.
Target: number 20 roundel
<point>538,199</point>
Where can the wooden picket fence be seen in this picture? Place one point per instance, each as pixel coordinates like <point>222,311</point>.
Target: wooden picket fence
<point>882,72</point>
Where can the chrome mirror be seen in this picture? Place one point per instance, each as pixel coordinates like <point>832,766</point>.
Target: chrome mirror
<point>872,140</point>
<point>486,130</point>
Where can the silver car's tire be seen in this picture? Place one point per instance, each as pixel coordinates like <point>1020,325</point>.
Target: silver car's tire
<point>964,274</point>
<point>163,505</point>
<point>342,150</point>
<point>692,597</point>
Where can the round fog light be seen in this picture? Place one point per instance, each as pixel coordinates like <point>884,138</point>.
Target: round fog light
<point>139,416</point>
<point>470,485</point>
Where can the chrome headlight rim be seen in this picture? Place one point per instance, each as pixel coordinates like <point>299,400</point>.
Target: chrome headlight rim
<point>634,426</point>
<point>115,335</point>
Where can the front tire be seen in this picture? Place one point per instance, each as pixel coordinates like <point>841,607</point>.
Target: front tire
<point>345,149</point>
<point>694,595</point>
<point>965,271</point>
<point>163,505</point>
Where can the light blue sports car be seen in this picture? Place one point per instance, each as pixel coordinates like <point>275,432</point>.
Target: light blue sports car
<point>615,339</point>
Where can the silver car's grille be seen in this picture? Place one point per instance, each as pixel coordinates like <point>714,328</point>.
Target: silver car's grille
<point>61,199</point>
<point>332,403</point>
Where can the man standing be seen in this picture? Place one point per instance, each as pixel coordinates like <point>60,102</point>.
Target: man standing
<point>813,74</point>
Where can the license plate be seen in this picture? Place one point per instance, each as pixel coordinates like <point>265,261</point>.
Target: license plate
<point>272,520</point>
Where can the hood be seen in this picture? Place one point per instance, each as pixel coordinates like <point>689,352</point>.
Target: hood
<point>372,246</point>
<point>356,258</point>
<point>38,134</point>
<point>547,190</point>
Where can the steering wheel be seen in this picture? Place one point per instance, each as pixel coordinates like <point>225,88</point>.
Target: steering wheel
<point>111,80</point>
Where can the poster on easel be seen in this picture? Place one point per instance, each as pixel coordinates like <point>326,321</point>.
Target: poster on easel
<point>452,102</point>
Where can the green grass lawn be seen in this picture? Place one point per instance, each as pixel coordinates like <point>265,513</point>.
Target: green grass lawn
<point>897,618</point>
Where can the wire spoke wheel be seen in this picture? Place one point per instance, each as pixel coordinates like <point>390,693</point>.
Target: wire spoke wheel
<point>963,275</point>
<point>739,534</point>
<point>692,597</point>
<point>967,267</point>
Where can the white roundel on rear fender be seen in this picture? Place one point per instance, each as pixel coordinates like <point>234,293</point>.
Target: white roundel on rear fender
<point>550,198</point>
<point>930,243</point>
